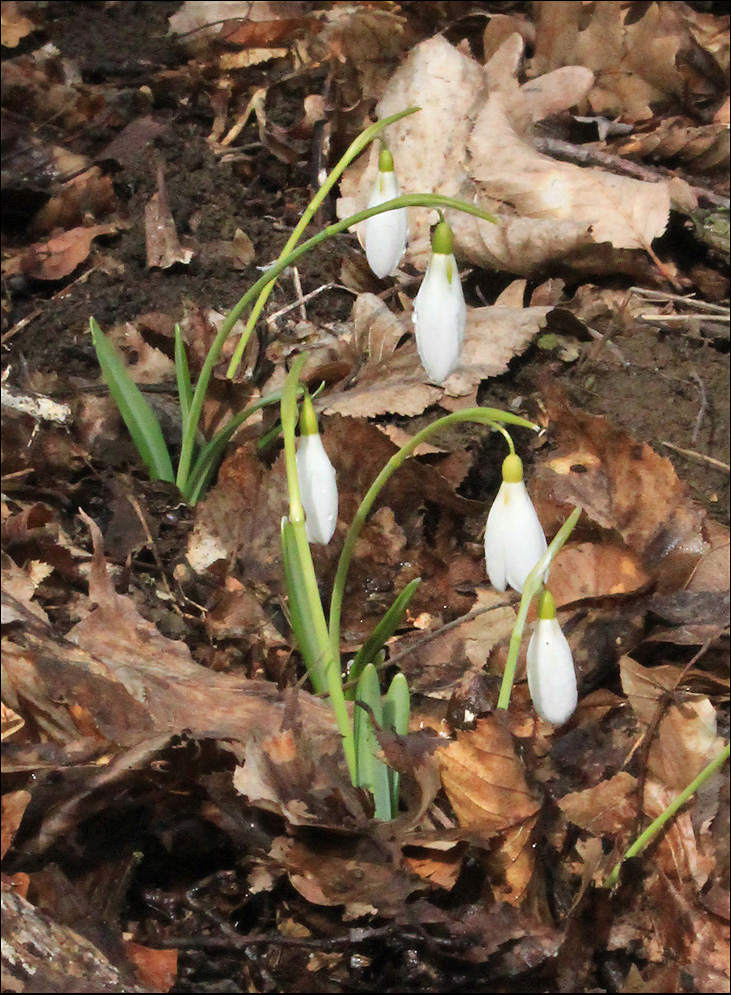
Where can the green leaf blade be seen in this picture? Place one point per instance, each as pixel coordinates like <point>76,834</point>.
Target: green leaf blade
<point>138,416</point>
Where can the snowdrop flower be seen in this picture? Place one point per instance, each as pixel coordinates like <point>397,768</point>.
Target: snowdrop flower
<point>514,539</point>
<point>316,477</point>
<point>439,309</point>
<point>551,675</point>
<point>385,234</point>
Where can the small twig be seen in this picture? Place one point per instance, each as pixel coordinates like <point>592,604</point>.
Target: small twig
<point>701,411</point>
<point>298,290</point>
<point>605,342</point>
<point>143,521</point>
<point>662,295</point>
<point>717,463</point>
<point>313,293</point>
<point>675,319</point>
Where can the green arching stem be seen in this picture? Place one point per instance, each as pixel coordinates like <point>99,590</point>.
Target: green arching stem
<point>353,150</point>
<point>201,387</point>
<point>645,838</point>
<point>289,424</point>
<point>508,438</point>
<point>533,584</point>
<point>482,416</point>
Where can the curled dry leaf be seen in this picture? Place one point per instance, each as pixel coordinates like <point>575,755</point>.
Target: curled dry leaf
<point>485,155</point>
<point>594,570</point>
<point>161,237</point>
<point>635,61</point>
<point>486,785</point>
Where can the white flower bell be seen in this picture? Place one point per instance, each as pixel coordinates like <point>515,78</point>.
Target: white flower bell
<point>551,674</point>
<point>439,309</point>
<point>316,477</point>
<point>514,539</point>
<point>385,234</point>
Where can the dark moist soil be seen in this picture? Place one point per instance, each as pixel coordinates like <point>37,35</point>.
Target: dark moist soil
<point>674,389</point>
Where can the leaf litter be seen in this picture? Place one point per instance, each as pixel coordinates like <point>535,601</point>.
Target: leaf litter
<point>150,698</point>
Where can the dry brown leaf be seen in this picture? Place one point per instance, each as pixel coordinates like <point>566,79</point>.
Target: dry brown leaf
<point>60,255</point>
<point>609,809</point>
<point>392,380</point>
<point>634,63</point>
<point>487,788</point>
<point>594,570</point>
<point>621,484</point>
<point>702,148</point>
<point>356,874</point>
<point>15,25</point>
<point>290,774</point>
<point>158,969</point>
<point>677,852</point>
<point>435,866</point>
<point>685,739</point>
<point>209,17</point>
<point>14,804</point>
<point>556,208</point>
<point>161,238</point>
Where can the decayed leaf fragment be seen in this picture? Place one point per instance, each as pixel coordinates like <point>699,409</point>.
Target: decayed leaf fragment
<point>486,785</point>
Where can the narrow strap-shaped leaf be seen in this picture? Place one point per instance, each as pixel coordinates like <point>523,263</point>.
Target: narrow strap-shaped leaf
<point>182,376</point>
<point>382,633</point>
<point>137,414</point>
<point>371,772</point>
<point>299,614</point>
<point>396,710</point>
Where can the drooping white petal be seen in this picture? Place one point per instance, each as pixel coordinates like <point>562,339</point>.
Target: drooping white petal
<point>385,234</point>
<point>439,317</point>
<point>551,674</point>
<point>318,489</point>
<point>514,539</point>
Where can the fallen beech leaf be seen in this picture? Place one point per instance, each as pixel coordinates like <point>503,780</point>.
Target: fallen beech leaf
<point>355,873</point>
<point>635,62</point>
<point>608,809</point>
<point>15,25</point>
<point>677,852</point>
<point>393,380</point>
<point>60,255</point>
<point>161,238</point>
<point>207,17</point>
<point>14,804</point>
<point>622,484</point>
<point>686,739</point>
<point>556,209</point>
<point>438,868</point>
<point>487,788</point>
<point>594,570</point>
<point>157,969</point>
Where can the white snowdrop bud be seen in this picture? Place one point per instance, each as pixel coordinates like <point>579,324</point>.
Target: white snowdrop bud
<point>316,477</point>
<point>385,234</point>
<point>551,674</point>
<point>439,309</point>
<point>514,539</point>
